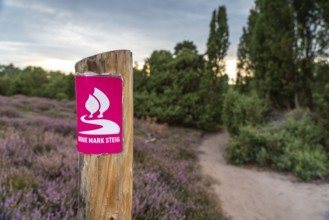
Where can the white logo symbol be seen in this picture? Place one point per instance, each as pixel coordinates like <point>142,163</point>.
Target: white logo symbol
<point>99,102</point>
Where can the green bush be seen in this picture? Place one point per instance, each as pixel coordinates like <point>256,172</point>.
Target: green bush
<point>253,145</point>
<point>241,148</point>
<point>295,147</point>
<point>310,164</point>
<point>61,96</point>
<point>240,110</point>
<point>305,129</point>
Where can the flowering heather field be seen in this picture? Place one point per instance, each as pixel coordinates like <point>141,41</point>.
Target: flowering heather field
<point>39,168</point>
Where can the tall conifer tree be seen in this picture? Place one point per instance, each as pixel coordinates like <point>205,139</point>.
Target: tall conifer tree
<point>218,41</point>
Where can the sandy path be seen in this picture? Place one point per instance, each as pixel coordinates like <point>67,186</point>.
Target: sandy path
<point>248,194</point>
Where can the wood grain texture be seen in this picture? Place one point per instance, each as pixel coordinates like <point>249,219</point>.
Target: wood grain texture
<point>106,180</point>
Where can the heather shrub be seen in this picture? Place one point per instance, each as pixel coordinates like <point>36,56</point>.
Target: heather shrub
<point>38,162</point>
<point>296,147</point>
<point>39,166</point>
<point>10,113</point>
<point>14,181</point>
<point>240,110</point>
<point>166,180</point>
<point>151,128</point>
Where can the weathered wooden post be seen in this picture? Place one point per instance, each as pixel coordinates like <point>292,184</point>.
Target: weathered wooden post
<point>106,179</point>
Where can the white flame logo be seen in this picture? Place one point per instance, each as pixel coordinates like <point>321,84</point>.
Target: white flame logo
<point>99,102</point>
<point>92,105</point>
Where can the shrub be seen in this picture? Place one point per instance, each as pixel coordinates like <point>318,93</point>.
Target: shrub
<point>305,129</point>
<point>253,145</point>
<point>240,110</point>
<point>38,167</point>
<point>166,181</point>
<point>310,165</point>
<point>296,147</point>
<point>10,113</point>
<point>61,96</point>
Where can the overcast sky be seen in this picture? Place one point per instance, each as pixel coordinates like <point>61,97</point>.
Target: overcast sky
<point>57,33</point>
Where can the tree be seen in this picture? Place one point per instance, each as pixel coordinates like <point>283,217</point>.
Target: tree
<point>273,53</point>
<point>177,89</point>
<point>189,45</point>
<point>211,44</point>
<point>158,68</point>
<point>159,60</point>
<point>187,58</point>
<point>35,81</point>
<point>244,64</point>
<point>278,49</point>
<point>218,41</point>
<point>312,41</point>
<point>222,38</point>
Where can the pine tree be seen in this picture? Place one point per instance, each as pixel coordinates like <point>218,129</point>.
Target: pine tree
<point>272,47</point>
<point>278,49</point>
<point>266,51</point>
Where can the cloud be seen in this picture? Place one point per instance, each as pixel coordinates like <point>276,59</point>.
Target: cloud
<point>71,30</point>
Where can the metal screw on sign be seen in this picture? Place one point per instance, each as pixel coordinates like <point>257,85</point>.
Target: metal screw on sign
<point>104,98</point>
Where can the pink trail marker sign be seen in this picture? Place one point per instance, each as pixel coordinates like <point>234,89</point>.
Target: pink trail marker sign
<point>99,113</point>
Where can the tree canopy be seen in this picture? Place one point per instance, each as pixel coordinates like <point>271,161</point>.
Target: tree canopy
<point>279,47</point>
<point>35,81</point>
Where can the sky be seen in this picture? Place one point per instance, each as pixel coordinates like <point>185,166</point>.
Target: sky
<point>55,34</point>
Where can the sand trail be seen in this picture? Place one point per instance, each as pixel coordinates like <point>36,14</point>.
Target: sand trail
<point>250,194</point>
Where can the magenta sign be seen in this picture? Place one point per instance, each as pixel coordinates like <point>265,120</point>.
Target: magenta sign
<point>99,114</point>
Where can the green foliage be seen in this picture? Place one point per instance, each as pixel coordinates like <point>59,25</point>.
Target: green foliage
<point>176,89</point>
<point>278,50</point>
<point>282,56</point>
<point>310,165</point>
<point>189,45</point>
<point>304,128</point>
<point>183,88</point>
<point>272,52</point>
<point>218,41</point>
<point>295,147</point>
<point>321,97</point>
<point>15,181</point>
<point>240,110</point>
<point>34,81</point>
<point>243,148</point>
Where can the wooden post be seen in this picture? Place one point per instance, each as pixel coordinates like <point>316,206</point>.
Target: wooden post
<point>106,180</point>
